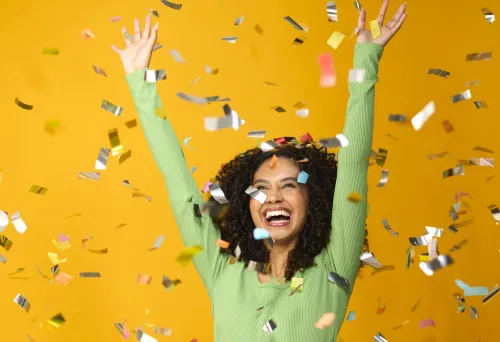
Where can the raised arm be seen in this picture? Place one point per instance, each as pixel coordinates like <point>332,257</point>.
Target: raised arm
<point>348,218</point>
<point>182,190</point>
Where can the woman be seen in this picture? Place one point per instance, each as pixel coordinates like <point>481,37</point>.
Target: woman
<point>310,245</point>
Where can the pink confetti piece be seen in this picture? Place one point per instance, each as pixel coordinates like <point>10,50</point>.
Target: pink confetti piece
<point>63,238</point>
<point>427,323</point>
<point>113,19</point>
<point>328,77</point>
<point>460,194</point>
<point>206,187</point>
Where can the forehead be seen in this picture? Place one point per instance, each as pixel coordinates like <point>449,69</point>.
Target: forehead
<point>286,168</point>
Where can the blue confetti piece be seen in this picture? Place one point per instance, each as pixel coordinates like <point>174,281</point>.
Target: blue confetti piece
<point>303,176</point>
<point>351,316</point>
<point>186,143</point>
<point>461,284</point>
<point>476,291</point>
<point>260,234</point>
<point>193,169</point>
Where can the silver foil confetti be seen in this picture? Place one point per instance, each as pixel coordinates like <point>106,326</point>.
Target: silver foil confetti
<point>102,159</point>
<point>356,76</point>
<point>233,120</point>
<point>471,83</point>
<point>495,212</point>
<point>490,162</point>
<point>432,266</point>
<point>239,20</point>
<point>113,109</point>
<point>18,223</point>
<point>466,95</point>
<point>434,232</point>
<point>141,335</point>
<point>94,176</point>
<point>262,267</point>
<point>3,259</point>
<point>231,40</point>
<point>331,11</point>
<point>420,240</point>
<point>4,220</point>
<point>211,71</point>
<point>478,56</point>
<point>176,55</point>
<point>387,227</point>
<point>473,312</point>
<point>488,15</point>
<point>279,109</point>
<point>481,104</point>
<point>256,134</point>
<point>172,5</point>
<point>455,171</point>
<point>421,117</point>
<point>256,194</point>
<point>384,177</point>
<point>293,23</point>
<point>339,140</point>
<point>340,281</point>
<point>22,302</point>
<point>379,338</point>
<point>269,145</point>
<point>491,294</point>
<point>162,331</point>
<point>158,242</point>
<point>153,76</point>
<point>438,72</point>
<point>270,326</point>
<point>90,275</point>
<point>357,5</point>
<point>192,98</point>
<point>368,259</point>
<point>217,193</point>
<point>458,245</point>
<point>303,113</point>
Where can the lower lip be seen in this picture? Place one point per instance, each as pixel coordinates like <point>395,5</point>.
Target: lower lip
<point>278,223</point>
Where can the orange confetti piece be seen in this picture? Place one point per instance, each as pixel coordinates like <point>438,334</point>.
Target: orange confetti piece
<point>355,197</point>
<point>144,279</point>
<point>274,162</point>
<point>448,127</point>
<point>86,34</point>
<point>63,278</point>
<point>325,321</point>
<point>222,244</point>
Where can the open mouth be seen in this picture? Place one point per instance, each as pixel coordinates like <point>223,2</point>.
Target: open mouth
<point>277,217</point>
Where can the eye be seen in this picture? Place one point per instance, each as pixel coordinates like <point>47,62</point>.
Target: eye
<point>289,185</point>
<point>260,187</point>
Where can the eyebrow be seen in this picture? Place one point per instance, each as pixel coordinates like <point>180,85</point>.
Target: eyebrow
<point>282,180</point>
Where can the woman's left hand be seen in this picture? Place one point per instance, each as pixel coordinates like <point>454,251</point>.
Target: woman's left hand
<point>386,32</point>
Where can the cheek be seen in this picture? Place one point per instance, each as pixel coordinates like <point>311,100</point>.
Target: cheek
<point>255,208</point>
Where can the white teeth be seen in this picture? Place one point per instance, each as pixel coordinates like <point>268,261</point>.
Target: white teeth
<point>277,213</point>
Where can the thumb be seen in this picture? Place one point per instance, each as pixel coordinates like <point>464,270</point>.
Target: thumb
<point>152,37</point>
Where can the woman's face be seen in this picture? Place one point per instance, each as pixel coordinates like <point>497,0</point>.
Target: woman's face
<point>284,212</point>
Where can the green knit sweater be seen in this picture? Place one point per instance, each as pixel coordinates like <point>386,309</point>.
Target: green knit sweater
<point>241,305</point>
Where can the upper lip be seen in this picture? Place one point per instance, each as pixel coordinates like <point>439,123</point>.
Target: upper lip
<point>276,209</point>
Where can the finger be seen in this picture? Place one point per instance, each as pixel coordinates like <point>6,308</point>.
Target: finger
<point>127,41</point>
<point>381,14</point>
<point>117,50</point>
<point>362,19</point>
<point>147,28</point>
<point>396,17</point>
<point>137,30</point>
<point>396,27</point>
<point>152,37</point>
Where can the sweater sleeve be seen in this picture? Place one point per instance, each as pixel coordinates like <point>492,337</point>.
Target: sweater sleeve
<point>182,191</point>
<point>343,252</point>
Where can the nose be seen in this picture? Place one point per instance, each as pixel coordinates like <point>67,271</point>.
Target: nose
<point>274,196</point>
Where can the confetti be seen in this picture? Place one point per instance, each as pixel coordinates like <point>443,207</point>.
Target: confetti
<point>256,134</point>
<point>421,117</point>
<point>448,127</point>
<point>256,194</point>
<point>191,98</point>
<point>397,118</point>
<point>260,234</point>
<point>158,242</point>
<point>86,34</point>
<point>380,309</point>
<point>153,12</point>
<point>293,23</point>
<point>55,259</point>
<point>351,316</point>
<point>379,338</point>
<point>211,71</point>
<point>258,29</point>
<point>339,140</point>
<point>303,113</point>
<point>23,105</point>
<point>23,302</point>
<point>478,56</point>
<point>50,51</point>
<point>217,193</point>
<point>355,197</point>
<point>302,178</point>
<point>90,275</point>
<point>481,104</point>
<point>186,142</point>
<point>141,335</point>
<point>299,40</point>
<point>357,5</point>
<point>270,326</point>
<point>414,307</point>
<point>113,109</point>
<point>99,71</point>
<point>176,55</point>
<point>357,76</point>
<point>297,284</point>
<point>426,323</point>
<point>274,162</point>
<point>440,262</point>
<point>102,159</point>
<point>187,255</point>
<point>144,279</point>
<point>114,140</point>
<point>473,312</point>
<point>482,162</point>
<point>51,126</point>
<point>5,242</point>
<point>114,19</point>
<point>490,295</point>
<point>222,244</point>
<point>495,212</point>
<point>124,156</point>
<point>388,228</point>
<point>173,6</point>
<point>3,259</point>
<point>61,245</point>
<point>340,281</point>
<point>466,95</point>
<point>131,123</point>
<point>328,76</point>
<point>231,40</point>
<point>56,321</point>
<point>63,278</point>
<point>162,331</point>
<point>331,11</point>
<point>488,15</point>
<point>368,259</point>
<point>475,291</point>
<point>401,325</point>
<point>152,76</point>
<point>438,155</point>
<point>438,72</point>
<point>239,20</point>
<point>37,189</point>
<point>381,157</point>
<point>279,109</point>
<point>94,176</point>
<point>375,29</point>
<point>335,39</point>
<point>300,105</point>
<point>384,177</point>
<point>216,123</point>
<point>169,284</point>
<point>18,223</point>
<point>325,321</point>
<point>455,171</point>
<point>122,330</point>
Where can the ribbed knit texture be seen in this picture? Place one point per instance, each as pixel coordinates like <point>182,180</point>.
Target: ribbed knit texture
<point>241,305</point>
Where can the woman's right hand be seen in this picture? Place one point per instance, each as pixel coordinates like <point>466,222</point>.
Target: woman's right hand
<point>137,54</point>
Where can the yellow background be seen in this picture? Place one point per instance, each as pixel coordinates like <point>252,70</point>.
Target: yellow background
<point>437,34</point>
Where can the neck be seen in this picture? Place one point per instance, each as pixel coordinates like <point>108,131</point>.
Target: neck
<point>278,257</point>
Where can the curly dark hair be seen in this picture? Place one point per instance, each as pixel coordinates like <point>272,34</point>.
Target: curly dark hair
<point>236,223</point>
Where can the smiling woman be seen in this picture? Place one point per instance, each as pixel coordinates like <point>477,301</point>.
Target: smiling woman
<point>306,269</point>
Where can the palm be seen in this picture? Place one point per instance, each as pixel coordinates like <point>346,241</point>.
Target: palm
<point>138,49</point>
<point>386,32</point>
